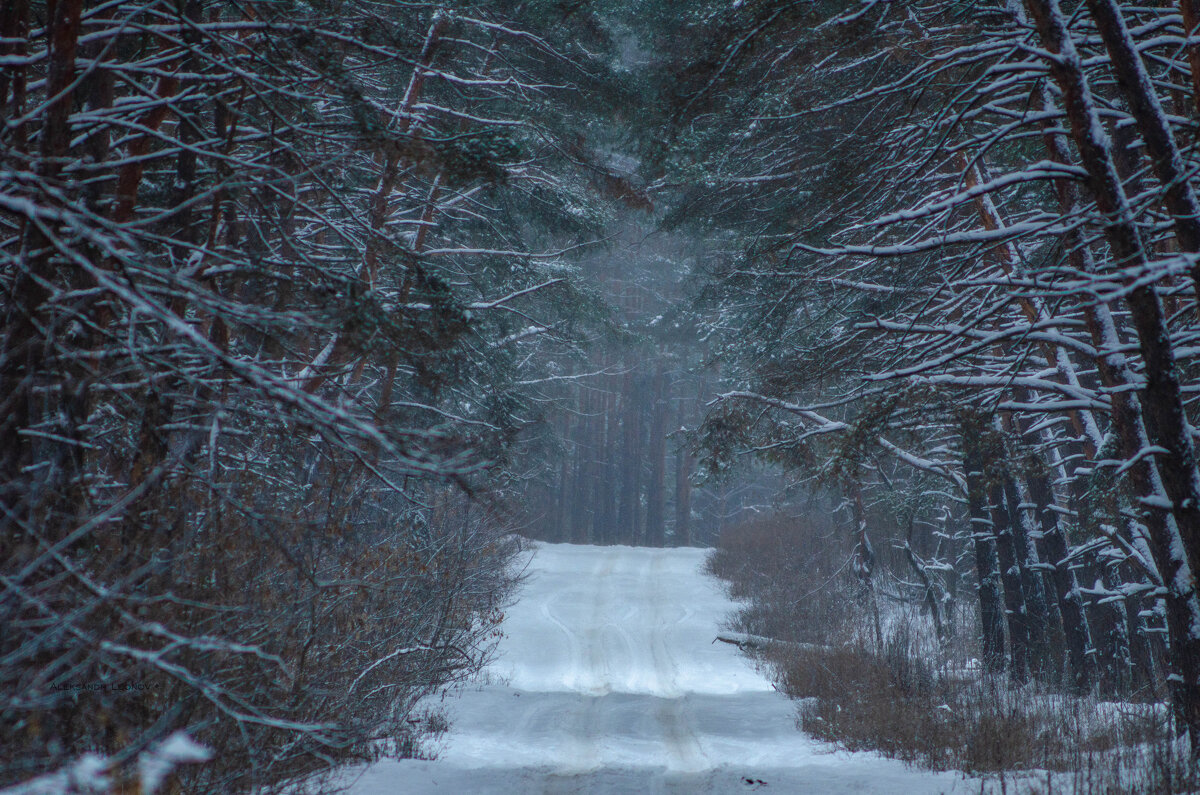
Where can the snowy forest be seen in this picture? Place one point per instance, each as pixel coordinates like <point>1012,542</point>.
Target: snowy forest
<point>318,316</point>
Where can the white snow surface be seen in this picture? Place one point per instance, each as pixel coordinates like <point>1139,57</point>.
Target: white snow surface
<point>608,681</point>
<point>157,763</point>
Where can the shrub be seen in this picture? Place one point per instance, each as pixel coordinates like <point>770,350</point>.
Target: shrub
<point>919,698</point>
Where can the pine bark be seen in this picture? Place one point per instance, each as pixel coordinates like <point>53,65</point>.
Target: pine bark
<point>564,504</point>
<point>1161,407</point>
<point>1167,422</point>
<point>603,517</point>
<point>1080,652</point>
<point>1119,657</point>
<point>627,504</point>
<point>684,463</point>
<point>1165,158</point>
<point>1010,575</point>
<point>22,359</point>
<point>638,464</point>
<point>1037,612</point>
<point>1190,9</point>
<point>656,488</point>
<point>991,604</point>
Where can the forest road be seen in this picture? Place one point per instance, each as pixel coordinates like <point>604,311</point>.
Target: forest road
<point>608,681</point>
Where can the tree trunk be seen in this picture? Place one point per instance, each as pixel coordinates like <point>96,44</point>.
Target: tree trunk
<point>656,489</point>
<point>563,505</point>
<point>14,28</point>
<point>1080,653</point>
<point>1038,615</point>
<point>581,521</point>
<point>22,354</point>
<point>991,606</point>
<point>1190,10</point>
<point>683,486</point>
<point>1010,575</point>
<point>1161,406</point>
<point>637,465</point>
<point>627,503</point>
<point>1165,158</point>
<point>602,517</point>
<point>864,561</point>
<point>1162,403</point>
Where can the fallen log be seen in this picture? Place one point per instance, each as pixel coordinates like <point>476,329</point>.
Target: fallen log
<point>745,641</point>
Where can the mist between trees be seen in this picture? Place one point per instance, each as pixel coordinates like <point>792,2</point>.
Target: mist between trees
<point>311,308</point>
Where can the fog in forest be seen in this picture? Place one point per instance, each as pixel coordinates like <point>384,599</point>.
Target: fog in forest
<point>514,396</point>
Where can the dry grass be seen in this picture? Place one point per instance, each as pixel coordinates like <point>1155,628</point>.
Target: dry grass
<point>790,576</point>
<point>916,699</point>
<point>900,706</point>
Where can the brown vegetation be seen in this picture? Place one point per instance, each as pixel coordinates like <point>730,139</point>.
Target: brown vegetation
<point>917,699</point>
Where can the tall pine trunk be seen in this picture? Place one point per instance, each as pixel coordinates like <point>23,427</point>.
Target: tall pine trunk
<point>1161,406</point>
<point>1080,653</point>
<point>656,489</point>
<point>1038,614</point>
<point>1010,573</point>
<point>991,604</point>
<point>684,463</point>
<point>627,498</point>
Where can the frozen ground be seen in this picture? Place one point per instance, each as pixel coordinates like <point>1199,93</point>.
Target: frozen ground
<point>609,681</point>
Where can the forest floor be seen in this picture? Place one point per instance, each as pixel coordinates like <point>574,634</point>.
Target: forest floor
<point>608,680</point>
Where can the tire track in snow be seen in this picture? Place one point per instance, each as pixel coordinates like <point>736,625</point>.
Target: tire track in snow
<point>672,714</point>
<point>593,670</point>
<point>581,661</point>
<point>682,715</point>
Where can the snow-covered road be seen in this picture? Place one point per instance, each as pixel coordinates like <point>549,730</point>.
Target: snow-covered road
<point>609,681</point>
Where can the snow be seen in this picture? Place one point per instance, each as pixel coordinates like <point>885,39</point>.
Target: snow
<point>90,774</point>
<point>87,775</point>
<point>609,680</point>
<point>156,764</point>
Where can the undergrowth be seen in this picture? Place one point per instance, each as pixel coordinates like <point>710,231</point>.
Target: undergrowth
<point>922,700</point>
